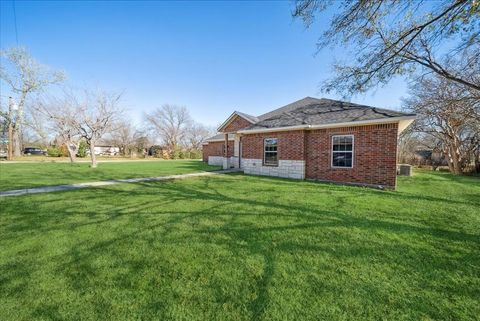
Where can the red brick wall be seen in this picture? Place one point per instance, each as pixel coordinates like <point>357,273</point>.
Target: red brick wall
<point>374,160</point>
<point>216,149</point>
<point>236,124</point>
<point>290,145</point>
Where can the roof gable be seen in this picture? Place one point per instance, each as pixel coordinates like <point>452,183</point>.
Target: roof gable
<point>248,118</point>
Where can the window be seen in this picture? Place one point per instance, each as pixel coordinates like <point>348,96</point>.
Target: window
<point>270,157</point>
<point>342,151</point>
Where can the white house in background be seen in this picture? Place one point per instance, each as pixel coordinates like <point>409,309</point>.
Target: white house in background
<point>104,148</point>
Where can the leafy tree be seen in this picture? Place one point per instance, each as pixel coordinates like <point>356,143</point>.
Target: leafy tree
<point>388,38</point>
<point>141,144</point>
<point>82,149</point>
<point>54,151</point>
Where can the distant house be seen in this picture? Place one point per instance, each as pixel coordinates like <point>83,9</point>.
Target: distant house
<point>312,138</point>
<point>104,148</point>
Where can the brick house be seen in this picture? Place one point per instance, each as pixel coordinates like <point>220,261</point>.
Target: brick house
<point>320,139</point>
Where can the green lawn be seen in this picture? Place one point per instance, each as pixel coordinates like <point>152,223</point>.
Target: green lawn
<point>16,176</point>
<point>235,247</point>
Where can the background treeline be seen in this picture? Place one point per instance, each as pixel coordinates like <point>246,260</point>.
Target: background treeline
<point>42,111</point>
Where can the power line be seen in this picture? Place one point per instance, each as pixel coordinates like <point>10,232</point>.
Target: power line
<point>15,21</point>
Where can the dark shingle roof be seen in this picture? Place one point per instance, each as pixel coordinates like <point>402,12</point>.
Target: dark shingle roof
<point>299,103</point>
<point>314,111</point>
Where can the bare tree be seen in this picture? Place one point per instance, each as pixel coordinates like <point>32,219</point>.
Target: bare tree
<point>95,116</point>
<point>418,148</point>
<point>407,145</point>
<point>124,136</point>
<point>35,129</point>
<point>60,116</point>
<point>446,112</point>
<point>24,75</point>
<point>389,38</point>
<point>170,123</point>
<point>196,135</point>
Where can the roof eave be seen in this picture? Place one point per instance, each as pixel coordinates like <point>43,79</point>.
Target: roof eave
<point>404,121</point>
<point>218,140</point>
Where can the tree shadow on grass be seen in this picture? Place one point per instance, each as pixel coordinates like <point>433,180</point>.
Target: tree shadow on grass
<point>239,236</point>
<point>66,173</point>
<point>243,231</point>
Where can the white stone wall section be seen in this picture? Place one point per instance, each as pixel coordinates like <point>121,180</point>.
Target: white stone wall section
<point>231,162</point>
<point>286,168</point>
<point>215,160</point>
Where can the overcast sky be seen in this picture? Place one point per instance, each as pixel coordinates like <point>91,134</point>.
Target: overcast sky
<point>212,57</point>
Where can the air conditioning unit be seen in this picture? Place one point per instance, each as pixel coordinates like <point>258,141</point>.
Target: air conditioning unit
<point>404,170</point>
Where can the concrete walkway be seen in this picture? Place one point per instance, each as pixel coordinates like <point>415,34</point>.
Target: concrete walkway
<point>56,188</point>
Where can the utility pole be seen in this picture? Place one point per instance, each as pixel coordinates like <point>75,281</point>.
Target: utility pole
<point>10,129</point>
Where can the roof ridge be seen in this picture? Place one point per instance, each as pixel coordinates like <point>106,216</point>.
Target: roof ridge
<point>322,111</point>
<point>361,105</point>
<point>289,107</point>
<point>245,114</point>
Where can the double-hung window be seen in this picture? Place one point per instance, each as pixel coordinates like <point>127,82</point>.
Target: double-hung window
<point>342,151</point>
<point>270,152</point>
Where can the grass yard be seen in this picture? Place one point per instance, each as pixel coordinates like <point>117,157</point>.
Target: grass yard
<point>235,247</point>
<point>16,176</point>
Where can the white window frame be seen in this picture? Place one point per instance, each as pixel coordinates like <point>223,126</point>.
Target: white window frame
<point>264,152</point>
<point>332,152</point>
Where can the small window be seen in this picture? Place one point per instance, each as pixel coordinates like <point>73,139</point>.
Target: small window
<point>270,155</point>
<point>342,151</point>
